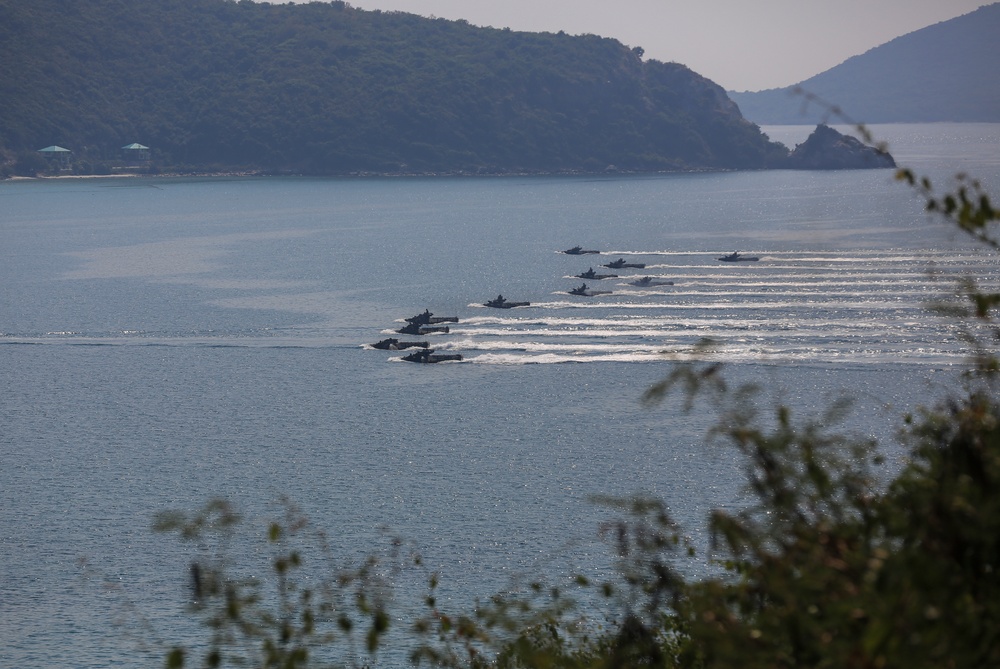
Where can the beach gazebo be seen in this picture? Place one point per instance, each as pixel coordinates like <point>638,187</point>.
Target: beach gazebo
<point>56,154</point>
<point>135,154</point>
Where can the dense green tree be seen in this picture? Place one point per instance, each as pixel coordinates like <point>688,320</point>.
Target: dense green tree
<point>29,164</point>
<point>327,88</point>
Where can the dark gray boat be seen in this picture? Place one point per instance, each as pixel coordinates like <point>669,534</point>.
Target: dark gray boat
<point>414,329</point>
<point>427,355</point>
<point>392,344</point>
<point>427,318</point>
<point>736,256</point>
<point>621,264</point>
<point>502,302</point>
<point>594,276</point>
<point>648,282</point>
<point>585,292</point>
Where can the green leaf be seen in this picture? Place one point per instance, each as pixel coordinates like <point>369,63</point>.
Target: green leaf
<point>175,659</point>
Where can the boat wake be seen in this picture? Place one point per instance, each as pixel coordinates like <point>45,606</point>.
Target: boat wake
<point>865,307</point>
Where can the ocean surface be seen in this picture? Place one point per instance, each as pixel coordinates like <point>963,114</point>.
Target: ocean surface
<point>166,341</point>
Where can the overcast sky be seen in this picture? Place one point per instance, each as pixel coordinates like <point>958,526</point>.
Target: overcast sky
<point>739,44</point>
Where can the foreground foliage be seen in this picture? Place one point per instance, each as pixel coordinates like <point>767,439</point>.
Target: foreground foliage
<point>828,565</point>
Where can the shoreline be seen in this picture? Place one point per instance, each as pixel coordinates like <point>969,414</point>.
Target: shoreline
<point>74,176</point>
<point>370,175</point>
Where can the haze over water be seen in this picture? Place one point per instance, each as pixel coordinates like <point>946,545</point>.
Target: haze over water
<point>166,341</point>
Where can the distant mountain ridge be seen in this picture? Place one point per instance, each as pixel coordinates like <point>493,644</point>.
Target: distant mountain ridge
<point>324,88</point>
<point>945,72</point>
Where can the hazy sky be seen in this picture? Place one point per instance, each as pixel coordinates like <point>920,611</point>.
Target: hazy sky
<point>739,44</point>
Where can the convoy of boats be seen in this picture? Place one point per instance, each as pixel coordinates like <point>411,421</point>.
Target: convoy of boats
<point>421,324</point>
<point>426,323</point>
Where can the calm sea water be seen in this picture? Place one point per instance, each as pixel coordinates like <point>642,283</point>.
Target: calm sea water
<point>166,341</point>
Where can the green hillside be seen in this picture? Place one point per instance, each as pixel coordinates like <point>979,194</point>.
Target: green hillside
<point>945,72</point>
<point>324,88</point>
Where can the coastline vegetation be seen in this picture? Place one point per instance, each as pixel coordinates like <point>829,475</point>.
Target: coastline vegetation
<point>216,86</point>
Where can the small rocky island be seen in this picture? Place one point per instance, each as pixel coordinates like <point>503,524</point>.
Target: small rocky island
<point>828,149</point>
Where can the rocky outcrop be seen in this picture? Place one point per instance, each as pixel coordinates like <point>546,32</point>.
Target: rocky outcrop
<point>827,149</point>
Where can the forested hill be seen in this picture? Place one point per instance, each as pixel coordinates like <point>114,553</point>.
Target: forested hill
<point>325,88</point>
<point>945,72</point>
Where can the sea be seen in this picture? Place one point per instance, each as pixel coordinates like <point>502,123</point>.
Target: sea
<point>166,341</point>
